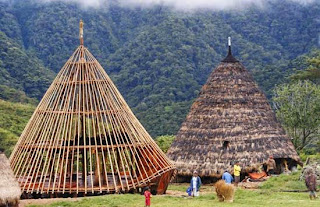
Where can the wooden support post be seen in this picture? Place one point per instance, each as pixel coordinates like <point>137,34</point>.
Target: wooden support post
<point>84,181</point>
<point>105,170</point>
<point>97,168</point>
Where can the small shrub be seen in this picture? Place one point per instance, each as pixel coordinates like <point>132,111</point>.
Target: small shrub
<point>164,142</point>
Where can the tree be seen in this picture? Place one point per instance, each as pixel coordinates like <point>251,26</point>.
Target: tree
<point>312,72</point>
<point>164,142</point>
<point>297,106</point>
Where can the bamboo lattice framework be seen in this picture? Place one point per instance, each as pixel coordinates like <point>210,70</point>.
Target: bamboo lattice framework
<point>83,137</point>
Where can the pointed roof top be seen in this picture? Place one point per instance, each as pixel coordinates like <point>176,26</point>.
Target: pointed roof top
<point>229,58</point>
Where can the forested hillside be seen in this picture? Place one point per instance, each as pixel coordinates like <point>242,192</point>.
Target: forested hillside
<point>14,117</point>
<point>158,57</point>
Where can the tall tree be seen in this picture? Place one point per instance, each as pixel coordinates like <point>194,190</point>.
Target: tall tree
<point>312,72</point>
<point>297,106</point>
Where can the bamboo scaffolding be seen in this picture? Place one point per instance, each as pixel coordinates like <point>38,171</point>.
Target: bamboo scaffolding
<point>83,137</point>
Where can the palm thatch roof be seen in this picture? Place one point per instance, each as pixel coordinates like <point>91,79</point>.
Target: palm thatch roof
<point>83,137</point>
<point>9,187</point>
<point>230,120</point>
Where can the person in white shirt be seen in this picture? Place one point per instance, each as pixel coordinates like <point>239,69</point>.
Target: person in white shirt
<point>195,184</point>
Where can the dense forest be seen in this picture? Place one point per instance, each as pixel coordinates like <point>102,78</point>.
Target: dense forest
<point>158,57</point>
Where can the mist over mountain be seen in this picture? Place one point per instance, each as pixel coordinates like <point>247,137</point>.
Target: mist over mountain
<point>183,5</point>
<point>157,54</point>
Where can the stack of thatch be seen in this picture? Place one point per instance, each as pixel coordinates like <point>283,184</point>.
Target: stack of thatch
<point>9,188</point>
<point>230,120</point>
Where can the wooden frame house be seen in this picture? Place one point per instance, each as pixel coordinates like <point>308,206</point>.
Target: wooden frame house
<point>84,139</point>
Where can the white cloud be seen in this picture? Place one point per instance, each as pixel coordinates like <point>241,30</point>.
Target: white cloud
<point>179,4</point>
<point>193,4</point>
<point>86,3</point>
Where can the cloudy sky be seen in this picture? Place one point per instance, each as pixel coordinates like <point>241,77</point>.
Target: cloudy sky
<point>180,4</point>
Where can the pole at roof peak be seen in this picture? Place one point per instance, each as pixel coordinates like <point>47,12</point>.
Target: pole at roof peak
<point>81,32</point>
<point>229,44</point>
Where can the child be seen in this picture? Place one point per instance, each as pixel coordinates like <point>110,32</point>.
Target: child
<point>189,191</point>
<point>147,196</point>
<point>236,172</point>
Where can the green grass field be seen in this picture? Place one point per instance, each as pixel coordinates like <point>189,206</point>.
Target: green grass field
<point>242,198</point>
<point>268,194</point>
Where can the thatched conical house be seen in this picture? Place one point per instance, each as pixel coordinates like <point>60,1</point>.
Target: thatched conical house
<point>230,120</point>
<point>10,191</point>
<point>83,138</point>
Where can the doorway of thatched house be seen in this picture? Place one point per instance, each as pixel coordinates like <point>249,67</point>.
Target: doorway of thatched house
<point>224,149</point>
<point>283,165</point>
<point>226,144</point>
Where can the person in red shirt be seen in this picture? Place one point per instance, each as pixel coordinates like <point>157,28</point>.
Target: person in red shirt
<point>147,196</point>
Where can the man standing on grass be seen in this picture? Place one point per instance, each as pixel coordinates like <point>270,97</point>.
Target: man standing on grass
<point>195,184</point>
<point>236,172</point>
<point>311,183</point>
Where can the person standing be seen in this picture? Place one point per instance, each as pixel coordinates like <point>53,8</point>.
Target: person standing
<point>271,166</point>
<point>236,172</point>
<point>311,183</point>
<point>195,184</point>
<point>227,177</point>
<point>147,196</point>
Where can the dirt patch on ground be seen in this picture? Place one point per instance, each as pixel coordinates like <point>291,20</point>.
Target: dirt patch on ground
<point>44,201</point>
<point>250,185</point>
<point>177,193</point>
<point>205,189</point>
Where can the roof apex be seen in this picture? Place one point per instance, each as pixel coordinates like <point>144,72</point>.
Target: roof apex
<point>229,58</point>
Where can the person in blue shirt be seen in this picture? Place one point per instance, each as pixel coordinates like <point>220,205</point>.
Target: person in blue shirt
<point>227,177</point>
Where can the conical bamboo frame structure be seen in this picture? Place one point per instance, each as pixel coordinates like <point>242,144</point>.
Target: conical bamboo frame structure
<point>83,137</point>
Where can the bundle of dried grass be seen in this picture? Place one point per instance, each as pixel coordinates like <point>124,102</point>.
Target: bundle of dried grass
<point>9,188</point>
<point>225,192</point>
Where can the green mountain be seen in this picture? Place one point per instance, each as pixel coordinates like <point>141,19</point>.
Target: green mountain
<point>15,96</point>
<point>20,70</point>
<point>14,117</point>
<point>158,58</point>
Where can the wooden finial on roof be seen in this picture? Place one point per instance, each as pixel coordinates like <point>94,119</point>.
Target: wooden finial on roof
<point>229,58</point>
<point>229,44</point>
<point>81,32</point>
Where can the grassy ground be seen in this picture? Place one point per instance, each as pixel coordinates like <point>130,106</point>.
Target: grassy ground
<point>242,198</point>
<point>267,195</point>
<point>285,183</point>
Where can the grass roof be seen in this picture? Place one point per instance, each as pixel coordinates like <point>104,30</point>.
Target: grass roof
<point>9,188</point>
<point>230,120</point>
